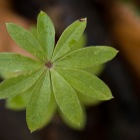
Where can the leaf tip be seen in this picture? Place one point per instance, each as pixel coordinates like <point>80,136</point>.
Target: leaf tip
<point>31,128</point>
<point>8,24</point>
<point>79,124</point>
<point>109,97</point>
<point>42,13</point>
<point>112,97</point>
<point>117,51</point>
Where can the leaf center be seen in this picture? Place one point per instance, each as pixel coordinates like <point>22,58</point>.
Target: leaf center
<point>49,64</point>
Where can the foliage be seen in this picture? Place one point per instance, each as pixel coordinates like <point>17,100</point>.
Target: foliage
<point>55,77</point>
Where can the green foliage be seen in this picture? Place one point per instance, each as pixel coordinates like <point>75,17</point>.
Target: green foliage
<point>75,125</point>
<point>66,98</point>
<point>18,84</point>
<point>11,62</point>
<point>26,40</point>
<point>57,77</point>
<point>87,57</point>
<point>19,101</point>
<point>69,38</point>
<point>46,34</point>
<point>87,84</point>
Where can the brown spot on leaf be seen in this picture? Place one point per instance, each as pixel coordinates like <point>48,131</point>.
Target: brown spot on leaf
<point>82,19</point>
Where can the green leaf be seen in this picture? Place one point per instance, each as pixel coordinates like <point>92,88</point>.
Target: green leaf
<point>87,57</point>
<point>16,103</point>
<point>19,102</point>
<point>88,101</point>
<point>11,62</point>
<point>53,78</point>
<point>26,40</point>
<point>33,31</point>
<point>81,43</point>
<point>96,70</point>
<point>74,125</point>
<point>16,85</point>
<point>6,75</point>
<point>51,110</point>
<point>46,33</point>
<point>69,38</point>
<point>37,108</point>
<point>66,98</point>
<point>86,83</point>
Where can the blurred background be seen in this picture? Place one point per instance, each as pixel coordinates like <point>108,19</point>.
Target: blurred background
<point>110,22</point>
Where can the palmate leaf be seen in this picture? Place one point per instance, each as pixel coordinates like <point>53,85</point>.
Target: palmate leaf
<point>56,76</point>
<point>69,38</point>
<point>37,108</point>
<point>46,33</point>
<point>66,98</point>
<point>86,83</point>
<point>26,40</point>
<point>87,57</point>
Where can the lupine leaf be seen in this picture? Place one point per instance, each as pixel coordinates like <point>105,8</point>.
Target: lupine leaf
<point>86,83</point>
<point>46,33</point>
<point>16,85</point>
<point>66,98</point>
<point>69,38</point>
<point>37,108</point>
<point>11,62</point>
<point>26,40</point>
<point>87,57</point>
<point>54,78</point>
